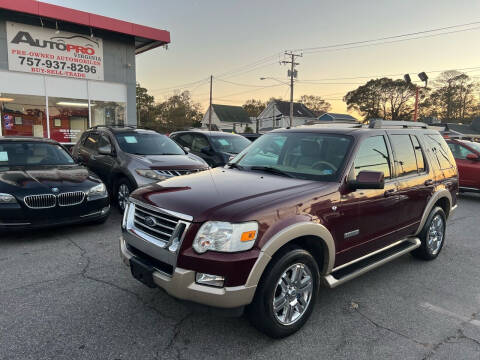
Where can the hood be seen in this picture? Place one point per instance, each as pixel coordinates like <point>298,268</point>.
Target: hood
<point>165,162</point>
<point>226,194</point>
<point>39,179</point>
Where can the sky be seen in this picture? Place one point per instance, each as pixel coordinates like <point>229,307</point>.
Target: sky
<point>238,42</point>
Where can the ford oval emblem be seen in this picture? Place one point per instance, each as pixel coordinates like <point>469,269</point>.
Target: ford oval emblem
<point>55,190</point>
<point>150,221</point>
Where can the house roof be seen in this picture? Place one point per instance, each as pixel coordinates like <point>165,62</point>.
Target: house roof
<point>336,117</point>
<point>299,110</point>
<point>233,114</point>
<point>146,38</point>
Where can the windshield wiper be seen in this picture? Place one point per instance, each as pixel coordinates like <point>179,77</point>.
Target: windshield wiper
<point>272,170</point>
<point>235,166</point>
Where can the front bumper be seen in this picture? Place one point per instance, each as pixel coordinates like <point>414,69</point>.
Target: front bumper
<point>181,284</point>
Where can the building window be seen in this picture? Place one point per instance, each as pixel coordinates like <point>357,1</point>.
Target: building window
<point>23,115</point>
<point>107,113</point>
<point>68,118</point>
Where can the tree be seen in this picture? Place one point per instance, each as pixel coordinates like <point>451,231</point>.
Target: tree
<point>254,107</point>
<point>178,112</point>
<point>315,104</point>
<point>145,106</point>
<point>453,98</point>
<point>382,98</point>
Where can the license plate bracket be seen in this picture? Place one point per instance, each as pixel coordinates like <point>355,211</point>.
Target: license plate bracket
<point>142,271</point>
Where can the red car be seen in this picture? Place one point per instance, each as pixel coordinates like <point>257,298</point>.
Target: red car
<point>467,156</point>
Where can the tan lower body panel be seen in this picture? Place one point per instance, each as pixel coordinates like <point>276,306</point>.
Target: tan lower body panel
<point>182,285</point>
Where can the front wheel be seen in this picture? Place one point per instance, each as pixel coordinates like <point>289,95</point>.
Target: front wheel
<point>286,295</point>
<point>432,235</point>
<point>124,188</point>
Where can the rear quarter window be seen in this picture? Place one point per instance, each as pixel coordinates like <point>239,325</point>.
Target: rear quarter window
<point>441,152</point>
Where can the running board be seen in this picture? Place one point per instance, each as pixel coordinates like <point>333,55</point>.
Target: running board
<point>347,273</point>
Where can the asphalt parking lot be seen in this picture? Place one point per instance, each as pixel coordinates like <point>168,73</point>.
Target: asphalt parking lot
<point>66,295</point>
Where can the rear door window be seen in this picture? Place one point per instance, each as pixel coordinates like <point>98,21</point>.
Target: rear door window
<point>91,142</point>
<point>418,154</point>
<point>373,156</point>
<point>405,157</point>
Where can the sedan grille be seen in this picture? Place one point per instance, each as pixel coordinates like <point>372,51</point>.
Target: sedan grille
<point>157,224</point>
<point>71,198</point>
<point>171,173</point>
<point>40,201</point>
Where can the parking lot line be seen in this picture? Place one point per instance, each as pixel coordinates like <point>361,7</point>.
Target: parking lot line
<point>443,311</point>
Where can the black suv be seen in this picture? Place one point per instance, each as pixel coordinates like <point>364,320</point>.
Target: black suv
<point>126,158</point>
<point>215,147</point>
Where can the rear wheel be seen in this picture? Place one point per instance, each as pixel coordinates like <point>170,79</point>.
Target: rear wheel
<point>432,235</point>
<point>123,190</point>
<point>286,295</point>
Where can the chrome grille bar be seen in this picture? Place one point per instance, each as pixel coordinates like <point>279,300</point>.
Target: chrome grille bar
<point>43,201</point>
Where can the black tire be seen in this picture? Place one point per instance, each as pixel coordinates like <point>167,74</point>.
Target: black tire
<point>426,251</point>
<point>118,188</point>
<point>261,311</point>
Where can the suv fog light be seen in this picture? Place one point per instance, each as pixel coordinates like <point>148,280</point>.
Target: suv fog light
<point>212,280</point>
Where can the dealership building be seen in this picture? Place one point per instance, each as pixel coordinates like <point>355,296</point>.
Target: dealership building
<point>63,70</point>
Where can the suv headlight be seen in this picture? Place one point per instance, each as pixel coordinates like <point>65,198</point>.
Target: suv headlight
<point>225,237</point>
<point>151,174</point>
<point>98,191</point>
<point>7,199</point>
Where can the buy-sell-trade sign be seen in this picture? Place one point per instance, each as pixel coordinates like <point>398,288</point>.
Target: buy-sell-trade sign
<point>39,50</point>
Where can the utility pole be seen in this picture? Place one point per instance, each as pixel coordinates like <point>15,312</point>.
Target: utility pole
<point>210,108</point>
<point>293,74</point>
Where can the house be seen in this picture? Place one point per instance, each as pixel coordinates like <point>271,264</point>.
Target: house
<point>336,118</point>
<point>277,115</point>
<point>227,118</point>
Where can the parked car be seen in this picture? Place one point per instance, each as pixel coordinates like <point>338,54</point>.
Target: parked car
<point>467,156</point>
<point>296,209</point>
<point>126,158</point>
<point>215,147</point>
<point>40,186</point>
<point>251,136</point>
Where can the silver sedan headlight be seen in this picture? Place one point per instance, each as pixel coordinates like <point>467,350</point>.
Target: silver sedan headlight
<point>97,192</point>
<point>225,237</point>
<point>7,199</point>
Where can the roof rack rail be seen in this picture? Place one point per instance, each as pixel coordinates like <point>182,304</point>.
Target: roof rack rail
<point>385,124</point>
<point>113,126</point>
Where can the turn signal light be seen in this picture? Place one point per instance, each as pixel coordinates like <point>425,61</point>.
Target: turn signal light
<point>248,235</point>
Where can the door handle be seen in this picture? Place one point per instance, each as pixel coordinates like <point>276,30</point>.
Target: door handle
<point>429,182</point>
<point>390,192</point>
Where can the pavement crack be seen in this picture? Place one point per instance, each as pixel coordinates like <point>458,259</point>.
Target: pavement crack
<point>380,326</point>
<point>176,332</point>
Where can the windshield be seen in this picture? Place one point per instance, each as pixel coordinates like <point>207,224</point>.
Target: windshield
<point>300,155</point>
<point>473,145</point>
<point>148,144</point>
<point>230,144</point>
<point>33,153</point>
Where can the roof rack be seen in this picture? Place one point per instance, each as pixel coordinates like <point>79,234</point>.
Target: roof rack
<point>385,124</point>
<point>114,126</point>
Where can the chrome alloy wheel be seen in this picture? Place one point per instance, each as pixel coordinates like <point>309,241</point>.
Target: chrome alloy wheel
<point>122,196</point>
<point>293,294</point>
<point>435,234</point>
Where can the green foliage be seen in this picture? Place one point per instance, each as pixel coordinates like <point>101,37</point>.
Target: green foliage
<point>315,104</point>
<point>382,98</point>
<point>248,130</point>
<point>178,112</point>
<point>254,107</point>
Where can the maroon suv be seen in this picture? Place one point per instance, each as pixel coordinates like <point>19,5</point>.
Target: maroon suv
<point>298,208</point>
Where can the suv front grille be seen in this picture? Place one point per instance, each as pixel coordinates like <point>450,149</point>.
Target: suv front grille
<point>40,201</point>
<point>157,224</point>
<point>71,198</point>
<point>171,173</point>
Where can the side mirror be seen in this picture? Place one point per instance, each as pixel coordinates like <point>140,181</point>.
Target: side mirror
<point>207,150</point>
<point>368,180</point>
<point>105,150</point>
<point>186,149</point>
<point>473,157</point>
